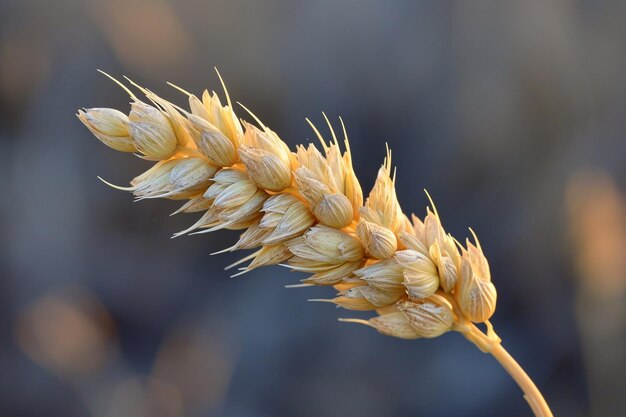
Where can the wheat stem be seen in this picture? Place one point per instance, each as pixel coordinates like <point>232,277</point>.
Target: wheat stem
<point>490,343</point>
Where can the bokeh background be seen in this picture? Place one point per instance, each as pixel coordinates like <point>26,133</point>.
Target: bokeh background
<point>512,115</point>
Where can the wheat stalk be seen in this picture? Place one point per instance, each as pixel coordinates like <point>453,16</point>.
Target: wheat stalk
<point>305,210</point>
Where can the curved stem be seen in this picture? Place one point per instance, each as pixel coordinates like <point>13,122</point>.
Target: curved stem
<point>531,392</point>
<point>490,343</point>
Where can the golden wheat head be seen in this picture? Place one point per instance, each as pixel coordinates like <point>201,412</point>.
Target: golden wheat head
<point>304,210</point>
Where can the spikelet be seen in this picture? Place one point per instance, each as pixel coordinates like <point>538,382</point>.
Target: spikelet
<point>420,274</point>
<point>285,217</point>
<point>235,203</point>
<point>387,275</point>
<point>329,253</point>
<point>441,248</point>
<point>212,142</point>
<point>151,131</point>
<point>446,267</point>
<point>475,293</point>
<point>430,318</point>
<point>110,126</point>
<point>222,117</point>
<point>381,206</point>
<point>304,210</point>
<point>174,179</point>
<point>328,182</point>
<point>379,242</point>
<point>267,159</point>
<point>153,182</point>
<point>330,208</point>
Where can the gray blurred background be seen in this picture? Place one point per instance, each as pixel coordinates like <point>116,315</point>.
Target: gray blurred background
<point>512,115</point>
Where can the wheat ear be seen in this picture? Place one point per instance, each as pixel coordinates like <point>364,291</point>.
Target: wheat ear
<point>305,210</point>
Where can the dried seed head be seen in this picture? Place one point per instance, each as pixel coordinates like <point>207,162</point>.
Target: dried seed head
<point>378,241</point>
<point>420,274</point>
<point>212,142</point>
<point>151,131</point>
<point>110,126</point>
<point>387,275</point>
<point>429,318</point>
<point>407,272</point>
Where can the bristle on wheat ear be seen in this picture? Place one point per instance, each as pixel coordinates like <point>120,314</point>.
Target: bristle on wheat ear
<point>305,210</point>
<point>357,321</point>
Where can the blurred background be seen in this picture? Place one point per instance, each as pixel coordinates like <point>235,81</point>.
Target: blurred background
<point>512,115</point>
